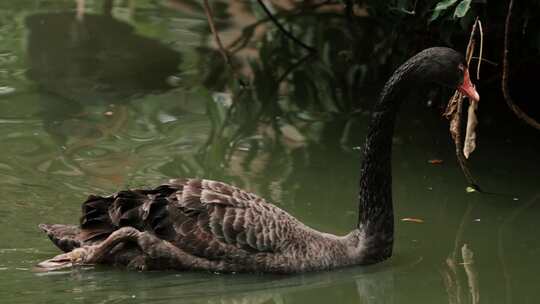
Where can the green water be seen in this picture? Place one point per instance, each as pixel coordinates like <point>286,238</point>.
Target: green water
<point>105,103</point>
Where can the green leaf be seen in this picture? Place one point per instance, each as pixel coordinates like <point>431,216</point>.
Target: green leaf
<point>462,8</point>
<point>441,6</point>
<point>445,4</point>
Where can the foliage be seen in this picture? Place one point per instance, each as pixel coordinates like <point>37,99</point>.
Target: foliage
<point>460,9</point>
<point>353,55</point>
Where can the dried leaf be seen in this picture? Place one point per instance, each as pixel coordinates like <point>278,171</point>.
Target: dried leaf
<point>470,136</point>
<point>455,123</point>
<point>412,220</point>
<point>454,110</point>
<point>451,108</point>
<point>435,161</point>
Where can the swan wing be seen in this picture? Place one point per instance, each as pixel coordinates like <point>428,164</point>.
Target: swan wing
<point>214,219</point>
<point>202,217</point>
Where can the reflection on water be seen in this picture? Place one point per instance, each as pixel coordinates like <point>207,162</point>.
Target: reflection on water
<point>97,59</point>
<point>102,286</point>
<point>121,94</point>
<point>359,286</point>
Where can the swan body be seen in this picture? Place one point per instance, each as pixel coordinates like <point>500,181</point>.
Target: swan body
<point>198,224</point>
<point>206,225</point>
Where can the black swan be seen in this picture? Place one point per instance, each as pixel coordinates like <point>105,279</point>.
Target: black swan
<point>194,224</point>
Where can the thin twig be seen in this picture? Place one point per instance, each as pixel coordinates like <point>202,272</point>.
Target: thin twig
<point>485,60</point>
<point>471,44</point>
<point>210,17</point>
<point>481,49</point>
<point>294,66</point>
<point>283,30</point>
<point>222,51</point>
<point>509,101</point>
<point>248,30</point>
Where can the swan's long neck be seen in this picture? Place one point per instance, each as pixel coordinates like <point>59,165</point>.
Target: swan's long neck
<point>376,218</point>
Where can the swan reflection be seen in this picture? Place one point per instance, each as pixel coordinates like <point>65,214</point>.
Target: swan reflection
<point>372,285</point>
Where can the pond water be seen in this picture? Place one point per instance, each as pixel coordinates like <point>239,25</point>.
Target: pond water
<point>130,95</point>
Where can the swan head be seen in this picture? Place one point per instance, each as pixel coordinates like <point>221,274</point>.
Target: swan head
<point>446,67</point>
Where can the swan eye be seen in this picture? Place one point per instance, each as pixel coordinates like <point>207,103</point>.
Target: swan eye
<point>461,69</point>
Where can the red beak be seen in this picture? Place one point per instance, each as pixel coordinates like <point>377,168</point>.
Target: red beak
<point>467,88</point>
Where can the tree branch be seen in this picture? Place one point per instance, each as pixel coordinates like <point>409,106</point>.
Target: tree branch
<point>211,23</point>
<point>509,101</point>
<point>283,30</point>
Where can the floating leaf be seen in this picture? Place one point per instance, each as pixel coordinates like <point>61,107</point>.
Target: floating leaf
<point>462,8</point>
<point>435,161</point>
<point>470,189</point>
<point>412,220</point>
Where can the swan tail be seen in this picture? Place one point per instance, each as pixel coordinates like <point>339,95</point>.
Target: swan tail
<point>95,221</point>
<point>145,210</point>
